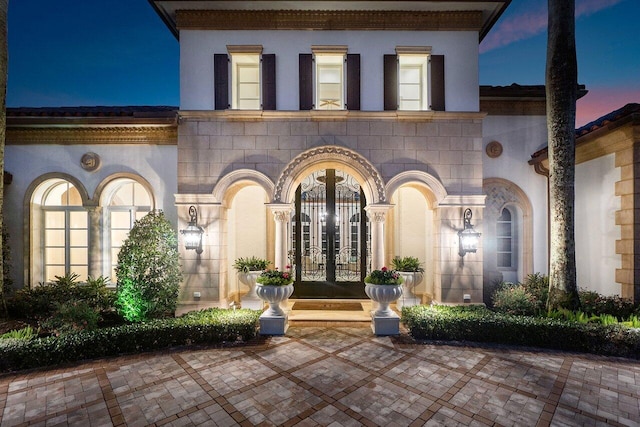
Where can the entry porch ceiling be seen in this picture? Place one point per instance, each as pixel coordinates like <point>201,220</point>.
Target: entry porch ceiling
<point>489,10</point>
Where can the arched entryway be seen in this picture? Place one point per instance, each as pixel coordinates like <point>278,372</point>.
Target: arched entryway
<point>329,239</point>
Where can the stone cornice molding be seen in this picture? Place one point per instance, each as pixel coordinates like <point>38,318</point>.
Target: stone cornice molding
<point>464,200</point>
<point>329,116</point>
<point>165,135</point>
<point>196,199</point>
<point>513,107</point>
<point>329,20</point>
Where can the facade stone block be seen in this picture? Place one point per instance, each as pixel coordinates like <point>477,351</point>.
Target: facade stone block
<point>223,142</point>
<point>292,143</point>
<point>472,129</point>
<point>317,140</point>
<point>232,128</point>
<point>255,128</point>
<point>304,128</point>
<point>208,128</point>
<point>279,128</point>
<point>461,143</point>
<point>427,129</point>
<point>244,142</point>
<point>232,156</point>
<point>188,128</point>
<point>381,156</point>
<point>267,142</point>
<point>372,142</point>
<point>255,156</point>
<point>332,128</point>
<point>389,170</point>
<point>451,157</point>
<point>347,141</point>
<point>381,128</point>
<point>404,156</point>
<point>358,128</point>
<point>449,129</point>
<point>193,141</point>
<point>428,157</point>
<point>472,158</point>
<point>440,143</point>
<point>404,128</point>
<point>415,143</point>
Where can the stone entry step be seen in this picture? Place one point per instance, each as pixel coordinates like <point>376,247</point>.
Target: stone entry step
<point>329,310</point>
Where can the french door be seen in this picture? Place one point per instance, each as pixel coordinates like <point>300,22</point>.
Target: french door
<point>329,237</point>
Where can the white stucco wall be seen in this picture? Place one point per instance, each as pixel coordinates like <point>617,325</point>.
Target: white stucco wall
<point>460,49</point>
<point>521,136</point>
<point>155,163</point>
<point>596,229</point>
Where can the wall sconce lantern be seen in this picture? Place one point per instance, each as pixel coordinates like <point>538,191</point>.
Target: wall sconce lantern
<point>193,233</point>
<point>468,237</point>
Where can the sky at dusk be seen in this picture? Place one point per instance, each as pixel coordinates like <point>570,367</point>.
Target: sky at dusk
<point>119,52</point>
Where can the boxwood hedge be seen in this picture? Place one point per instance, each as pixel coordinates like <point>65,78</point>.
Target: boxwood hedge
<point>205,327</point>
<point>482,325</point>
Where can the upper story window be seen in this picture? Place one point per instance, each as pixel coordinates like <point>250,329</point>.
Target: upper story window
<point>414,80</point>
<point>329,82</point>
<point>329,79</point>
<point>245,75</point>
<point>244,79</point>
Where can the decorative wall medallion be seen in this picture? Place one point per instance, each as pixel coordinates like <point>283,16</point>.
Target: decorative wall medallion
<point>90,162</point>
<point>494,149</point>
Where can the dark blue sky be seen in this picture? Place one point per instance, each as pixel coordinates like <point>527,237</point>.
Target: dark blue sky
<point>119,52</point>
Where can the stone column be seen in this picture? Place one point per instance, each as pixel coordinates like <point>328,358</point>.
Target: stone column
<point>281,215</point>
<point>377,215</point>
<point>96,260</point>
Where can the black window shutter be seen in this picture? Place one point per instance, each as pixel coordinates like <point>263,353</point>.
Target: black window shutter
<point>391,82</point>
<point>353,81</point>
<point>437,82</point>
<point>221,81</point>
<point>269,82</point>
<point>306,81</point>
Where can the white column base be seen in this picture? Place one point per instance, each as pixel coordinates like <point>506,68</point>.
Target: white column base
<point>388,325</point>
<point>273,325</point>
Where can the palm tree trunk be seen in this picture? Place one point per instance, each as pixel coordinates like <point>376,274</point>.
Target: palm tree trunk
<point>561,91</point>
<point>4,6</point>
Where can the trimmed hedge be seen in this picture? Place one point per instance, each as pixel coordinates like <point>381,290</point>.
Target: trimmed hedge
<point>204,327</point>
<point>482,325</point>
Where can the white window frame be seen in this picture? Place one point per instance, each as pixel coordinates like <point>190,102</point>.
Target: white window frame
<point>242,58</point>
<point>414,57</point>
<point>513,236</point>
<point>329,58</point>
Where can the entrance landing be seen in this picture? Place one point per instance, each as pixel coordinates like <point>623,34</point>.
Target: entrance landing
<point>329,310</point>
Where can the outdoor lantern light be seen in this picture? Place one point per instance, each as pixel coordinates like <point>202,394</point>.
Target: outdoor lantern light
<point>193,233</point>
<point>468,237</point>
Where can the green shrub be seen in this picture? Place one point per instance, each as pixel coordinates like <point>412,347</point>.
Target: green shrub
<point>205,327</point>
<point>21,334</point>
<point>149,262</point>
<point>71,317</point>
<point>595,304</point>
<point>408,263</point>
<point>482,325</point>
<point>537,285</point>
<point>42,301</point>
<point>515,299</point>
<point>245,265</point>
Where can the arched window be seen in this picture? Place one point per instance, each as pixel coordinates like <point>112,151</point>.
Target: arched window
<point>506,239</point>
<point>64,233</point>
<point>127,201</point>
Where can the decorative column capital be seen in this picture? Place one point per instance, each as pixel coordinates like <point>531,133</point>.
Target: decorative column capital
<point>378,212</point>
<point>281,211</point>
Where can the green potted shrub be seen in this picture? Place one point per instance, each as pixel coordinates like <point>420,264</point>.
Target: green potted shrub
<point>249,269</point>
<point>411,270</point>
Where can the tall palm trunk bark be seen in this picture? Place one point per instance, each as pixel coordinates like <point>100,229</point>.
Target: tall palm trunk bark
<point>4,7</point>
<point>561,91</point>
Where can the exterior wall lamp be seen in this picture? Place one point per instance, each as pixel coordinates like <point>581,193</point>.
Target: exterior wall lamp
<point>468,237</point>
<point>193,233</point>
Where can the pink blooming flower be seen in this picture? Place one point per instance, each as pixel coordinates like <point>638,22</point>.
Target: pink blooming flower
<point>288,267</point>
<point>384,269</point>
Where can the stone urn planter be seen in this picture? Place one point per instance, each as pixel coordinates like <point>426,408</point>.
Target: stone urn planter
<point>274,287</point>
<point>274,295</point>
<point>383,295</point>
<point>250,299</point>
<point>384,287</point>
<point>411,270</point>
<point>248,271</point>
<point>411,280</point>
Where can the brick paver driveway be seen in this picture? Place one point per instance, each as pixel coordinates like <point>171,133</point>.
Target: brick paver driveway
<point>338,376</point>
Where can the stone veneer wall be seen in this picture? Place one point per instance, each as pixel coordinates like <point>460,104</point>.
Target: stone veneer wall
<point>447,146</point>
